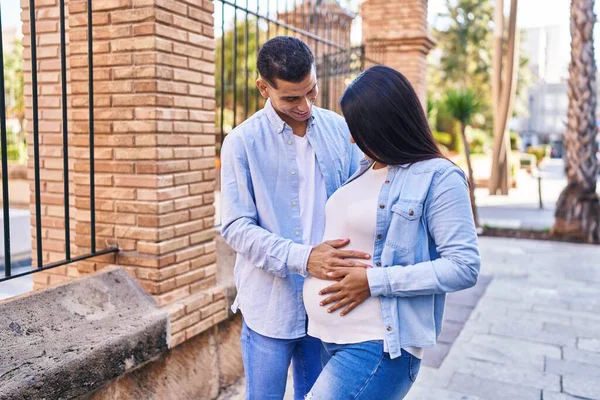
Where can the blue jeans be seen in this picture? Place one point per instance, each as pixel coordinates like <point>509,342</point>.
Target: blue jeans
<point>364,371</point>
<point>267,361</point>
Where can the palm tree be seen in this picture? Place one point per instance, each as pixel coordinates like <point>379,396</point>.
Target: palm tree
<point>578,211</point>
<point>463,104</point>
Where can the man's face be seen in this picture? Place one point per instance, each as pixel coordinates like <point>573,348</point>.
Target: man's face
<point>292,101</point>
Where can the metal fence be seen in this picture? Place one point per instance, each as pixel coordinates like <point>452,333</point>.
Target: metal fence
<point>8,273</point>
<point>243,26</point>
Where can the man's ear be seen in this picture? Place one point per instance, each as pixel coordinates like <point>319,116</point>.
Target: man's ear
<point>263,87</point>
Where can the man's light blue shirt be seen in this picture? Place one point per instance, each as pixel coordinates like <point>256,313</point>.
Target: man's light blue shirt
<point>261,212</point>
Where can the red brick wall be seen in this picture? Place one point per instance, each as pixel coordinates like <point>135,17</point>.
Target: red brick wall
<point>154,133</point>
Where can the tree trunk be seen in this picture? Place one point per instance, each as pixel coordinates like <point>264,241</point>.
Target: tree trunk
<point>578,210</point>
<point>470,171</point>
<point>504,89</point>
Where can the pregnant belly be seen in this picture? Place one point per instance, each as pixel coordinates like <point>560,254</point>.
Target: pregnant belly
<point>361,324</point>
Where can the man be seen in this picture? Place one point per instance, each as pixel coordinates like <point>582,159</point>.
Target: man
<point>278,169</point>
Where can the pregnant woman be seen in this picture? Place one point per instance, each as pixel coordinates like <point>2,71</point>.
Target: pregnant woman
<point>409,207</point>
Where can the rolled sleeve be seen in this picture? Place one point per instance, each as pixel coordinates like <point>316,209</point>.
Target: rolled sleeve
<point>379,283</point>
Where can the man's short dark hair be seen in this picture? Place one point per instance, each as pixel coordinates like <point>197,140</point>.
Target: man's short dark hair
<point>286,58</point>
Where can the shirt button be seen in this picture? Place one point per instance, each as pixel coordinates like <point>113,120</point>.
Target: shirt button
<point>379,236</point>
<point>290,142</point>
<point>389,328</point>
<point>297,233</point>
<point>293,172</point>
<point>387,181</point>
<point>378,263</point>
<point>294,203</point>
<point>382,206</point>
<point>301,297</point>
<point>411,213</point>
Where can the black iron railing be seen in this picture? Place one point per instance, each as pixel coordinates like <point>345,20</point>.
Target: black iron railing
<point>241,29</point>
<point>8,273</point>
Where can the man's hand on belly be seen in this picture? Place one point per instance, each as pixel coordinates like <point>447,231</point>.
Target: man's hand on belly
<point>349,292</point>
<point>327,257</point>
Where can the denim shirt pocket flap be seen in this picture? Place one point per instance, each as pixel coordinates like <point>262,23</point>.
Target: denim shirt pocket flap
<point>410,210</point>
<point>403,233</point>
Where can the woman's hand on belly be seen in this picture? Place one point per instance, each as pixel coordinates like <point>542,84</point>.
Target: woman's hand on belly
<point>351,290</point>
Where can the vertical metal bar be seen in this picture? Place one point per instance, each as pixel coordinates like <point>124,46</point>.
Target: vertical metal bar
<point>268,22</point>
<point>295,14</point>
<point>3,132</point>
<point>36,136</point>
<point>276,17</point>
<point>539,179</point>
<point>91,112</point>
<point>338,30</point>
<point>287,17</point>
<point>316,15</point>
<point>235,54</point>
<point>246,84</point>
<point>256,92</point>
<point>308,17</point>
<point>63,70</point>
<point>222,70</point>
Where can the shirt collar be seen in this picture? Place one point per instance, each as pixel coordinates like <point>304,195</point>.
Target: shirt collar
<point>275,120</point>
<point>365,162</point>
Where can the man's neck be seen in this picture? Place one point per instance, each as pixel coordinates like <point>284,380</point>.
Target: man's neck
<point>298,127</point>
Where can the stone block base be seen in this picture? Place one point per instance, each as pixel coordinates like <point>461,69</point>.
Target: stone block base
<point>196,369</point>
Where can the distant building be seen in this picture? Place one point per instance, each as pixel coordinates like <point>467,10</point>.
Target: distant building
<point>547,109</point>
<point>8,38</point>
<point>546,48</point>
<point>547,98</point>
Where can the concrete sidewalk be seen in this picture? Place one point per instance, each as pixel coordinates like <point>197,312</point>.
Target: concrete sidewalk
<point>534,334</point>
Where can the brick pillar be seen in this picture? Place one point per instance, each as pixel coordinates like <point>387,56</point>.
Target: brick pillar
<point>154,101</point>
<point>395,33</point>
<point>50,139</point>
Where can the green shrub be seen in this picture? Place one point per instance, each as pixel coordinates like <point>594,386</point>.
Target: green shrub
<point>540,152</point>
<point>17,152</point>
<point>515,141</point>
<point>480,141</point>
<point>444,138</point>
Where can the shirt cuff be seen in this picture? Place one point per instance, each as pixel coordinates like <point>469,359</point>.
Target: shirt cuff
<point>298,259</point>
<point>378,282</point>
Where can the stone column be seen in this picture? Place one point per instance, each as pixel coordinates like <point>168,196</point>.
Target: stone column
<point>395,34</point>
<point>154,134</point>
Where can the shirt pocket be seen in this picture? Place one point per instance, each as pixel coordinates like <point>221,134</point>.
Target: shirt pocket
<point>403,233</point>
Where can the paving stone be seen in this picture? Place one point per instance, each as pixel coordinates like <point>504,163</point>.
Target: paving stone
<point>592,308</point>
<point>589,344</point>
<point>580,327</point>
<point>516,320</point>
<point>509,351</point>
<point>519,376</point>
<point>434,377</point>
<point>548,395</point>
<point>491,389</point>
<point>423,393</point>
<point>544,310</point>
<point>582,386</point>
<point>434,356</point>
<point>524,330</point>
<point>564,367</point>
<point>587,357</point>
<point>450,331</point>
<point>457,313</point>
